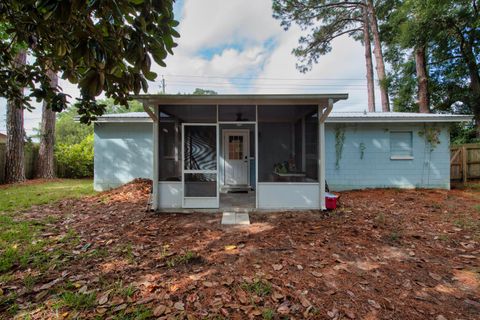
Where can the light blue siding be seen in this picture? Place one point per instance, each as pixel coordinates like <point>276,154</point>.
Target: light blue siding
<point>123,152</point>
<point>427,169</point>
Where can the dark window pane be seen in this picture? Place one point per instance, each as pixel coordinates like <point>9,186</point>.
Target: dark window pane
<point>169,151</point>
<point>200,185</point>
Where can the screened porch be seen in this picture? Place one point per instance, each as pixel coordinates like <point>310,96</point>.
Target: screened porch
<point>227,154</point>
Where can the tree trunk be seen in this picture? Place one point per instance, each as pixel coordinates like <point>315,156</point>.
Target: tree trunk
<point>14,157</point>
<point>466,48</point>
<point>422,80</point>
<point>368,61</point>
<point>377,51</point>
<point>46,165</point>
<point>474,90</point>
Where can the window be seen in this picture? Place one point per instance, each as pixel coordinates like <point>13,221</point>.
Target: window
<point>235,147</point>
<point>401,145</point>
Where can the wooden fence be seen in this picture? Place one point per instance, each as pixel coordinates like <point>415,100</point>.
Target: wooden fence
<point>31,155</point>
<point>465,162</point>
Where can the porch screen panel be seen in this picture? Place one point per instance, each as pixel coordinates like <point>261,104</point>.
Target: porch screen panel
<point>200,184</point>
<point>200,165</point>
<point>191,113</point>
<point>169,168</point>
<point>311,146</point>
<point>200,148</point>
<point>287,144</point>
<point>236,113</point>
<point>170,135</point>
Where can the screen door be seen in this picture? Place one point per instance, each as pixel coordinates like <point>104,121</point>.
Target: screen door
<point>200,167</point>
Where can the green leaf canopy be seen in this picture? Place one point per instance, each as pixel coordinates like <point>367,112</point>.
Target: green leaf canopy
<point>102,46</point>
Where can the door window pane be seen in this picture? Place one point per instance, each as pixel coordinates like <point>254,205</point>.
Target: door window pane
<point>235,147</point>
<point>200,148</point>
<point>200,185</point>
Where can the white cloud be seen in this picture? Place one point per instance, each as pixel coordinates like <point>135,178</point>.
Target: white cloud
<point>211,23</point>
<point>230,62</point>
<point>184,72</point>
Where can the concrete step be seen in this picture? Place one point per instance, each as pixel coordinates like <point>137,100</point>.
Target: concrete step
<point>240,218</point>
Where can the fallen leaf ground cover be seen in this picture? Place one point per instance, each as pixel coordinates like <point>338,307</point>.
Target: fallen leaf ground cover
<point>384,254</point>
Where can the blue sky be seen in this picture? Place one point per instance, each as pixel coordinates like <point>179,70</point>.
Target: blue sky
<point>236,46</point>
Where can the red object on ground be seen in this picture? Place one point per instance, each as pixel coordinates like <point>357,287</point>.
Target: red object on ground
<point>331,201</point>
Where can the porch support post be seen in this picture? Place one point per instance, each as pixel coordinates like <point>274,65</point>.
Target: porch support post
<point>154,116</point>
<point>322,116</point>
<point>256,157</point>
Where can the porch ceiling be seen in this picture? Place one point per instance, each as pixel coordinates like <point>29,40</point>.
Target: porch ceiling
<point>245,99</point>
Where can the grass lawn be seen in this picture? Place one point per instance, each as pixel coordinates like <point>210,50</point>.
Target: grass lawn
<point>21,243</point>
<point>23,196</point>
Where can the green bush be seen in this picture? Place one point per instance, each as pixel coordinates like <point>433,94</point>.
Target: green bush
<point>75,160</point>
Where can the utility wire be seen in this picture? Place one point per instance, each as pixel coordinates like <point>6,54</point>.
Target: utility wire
<point>200,85</point>
<point>266,78</point>
<point>273,84</point>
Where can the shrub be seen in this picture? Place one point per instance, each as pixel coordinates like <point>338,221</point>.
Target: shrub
<point>75,160</point>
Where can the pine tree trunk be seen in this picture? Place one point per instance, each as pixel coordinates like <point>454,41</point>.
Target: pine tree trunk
<point>368,61</point>
<point>473,71</point>
<point>46,165</point>
<point>377,51</point>
<point>422,79</point>
<point>14,157</point>
<point>474,90</point>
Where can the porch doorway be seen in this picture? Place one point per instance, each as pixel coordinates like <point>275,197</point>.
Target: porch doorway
<point>237,166</point>
<point>236,158</point>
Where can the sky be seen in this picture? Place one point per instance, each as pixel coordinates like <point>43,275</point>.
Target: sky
<point>236,46</point>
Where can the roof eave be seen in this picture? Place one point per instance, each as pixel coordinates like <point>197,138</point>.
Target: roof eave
<point>299,99</point>
<point>124,120</point>
<point>462,118</point>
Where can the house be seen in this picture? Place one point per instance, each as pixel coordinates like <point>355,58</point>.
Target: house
<point>267,151</point>
<point>3,138</point>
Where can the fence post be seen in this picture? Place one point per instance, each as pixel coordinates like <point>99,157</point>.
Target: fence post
<point>464,164</point>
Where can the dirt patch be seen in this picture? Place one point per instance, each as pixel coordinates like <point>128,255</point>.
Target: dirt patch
<point>384,254</point>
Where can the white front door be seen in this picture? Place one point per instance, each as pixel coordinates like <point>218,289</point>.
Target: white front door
<point>236,156</point>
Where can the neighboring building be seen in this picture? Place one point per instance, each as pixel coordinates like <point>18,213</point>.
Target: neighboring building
<point>3,138</point>
<point>267,151</point>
